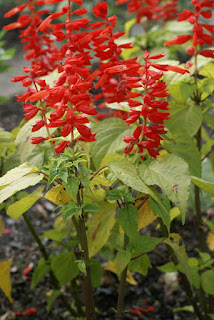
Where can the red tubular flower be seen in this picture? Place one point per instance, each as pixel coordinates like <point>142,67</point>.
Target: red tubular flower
<point>178,40</point>
<point>199,37</point>
<point>152,9</point>
<point>61,146</point>
<point>37,140</point>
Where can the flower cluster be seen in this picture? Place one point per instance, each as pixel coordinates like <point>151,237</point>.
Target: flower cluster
<point>68,100</point>
<point>39,48</point>
<point>200,35</point>
<point>111,69</point>
<point>152,9</point>
<point>150,112</point>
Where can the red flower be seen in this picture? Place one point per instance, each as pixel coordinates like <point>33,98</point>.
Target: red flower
<point>178,40</point>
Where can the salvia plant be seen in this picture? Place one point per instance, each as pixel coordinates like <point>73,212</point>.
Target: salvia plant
<point>115,141</point>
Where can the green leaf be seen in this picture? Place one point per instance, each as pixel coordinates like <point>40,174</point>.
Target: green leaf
<point>140,265</point>
<point>20,184</point>
<point>169,173</point>
<point>162,210</point>
<point>81,266</point>
<point>5,137</point>
<point>204,185</point>
<point>210,225</point>
<point>185,118</point>
<point>186,149</point>
<point>16,209</point>
<point>168,267</point>
<point>64,267</point>
<point>127,173</point>
<point>207,70</point>
<point>121,261</point>
<point>207,281</point>
<point>181,91</point>
<point>70,210</point>
<point>54,235</point>
<point>174,242</point>
<point>209,119</point>
<point>128,220</point>
<point>54,295</point>
<point>109,138</point>
<point>39,273</point>
<point>144,244</point>
<point>96,272</point>
<point>185,308</point>
<point>100,228</point>
<point>22,141</point>
<point>88,207</point>
<point>72,187</point>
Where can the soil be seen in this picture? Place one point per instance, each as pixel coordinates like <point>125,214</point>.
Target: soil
<point>151,290</point>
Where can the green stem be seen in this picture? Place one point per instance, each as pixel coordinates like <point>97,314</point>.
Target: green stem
<point>53,279</point>
<point>184,279</point>
<point>203,303</point>
<point>75,294</point>
<point>120,301</point>
<point>198,203</point>
<point>89,300</point>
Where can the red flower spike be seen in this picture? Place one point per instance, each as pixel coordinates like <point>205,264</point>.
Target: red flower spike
<point>199,37</point>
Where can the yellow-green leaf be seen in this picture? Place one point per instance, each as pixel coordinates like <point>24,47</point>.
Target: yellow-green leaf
<point>205,185</point>
<point>146,216</point>
<point>5,284</point>
<point>16,209</point>
<point>210,241</point>
<point>23,182</point>
<point>97,189</point>
<point>58,195</point>
<point>15,174</point>
<point>122,259</point>
<point>129,277</point>
<point>100,228</point>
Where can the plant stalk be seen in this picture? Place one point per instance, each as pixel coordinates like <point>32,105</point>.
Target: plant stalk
<point>184,279</point>
<point>88,292</point>
<point>53,279</point>
<point>120,301</point>
<point>198,203</point>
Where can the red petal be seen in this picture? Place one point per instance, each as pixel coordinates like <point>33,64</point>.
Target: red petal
<point>38,95</point>
<point>12,26</point>
<point>19,78</point>
<point>37,140</point>
<point>83,130</point>
<point>157,56</point>
<point>80,11</point>
<point>178,40</point>
<point>207,53</point>
<point>61,146</point>
<point>15,10</point>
